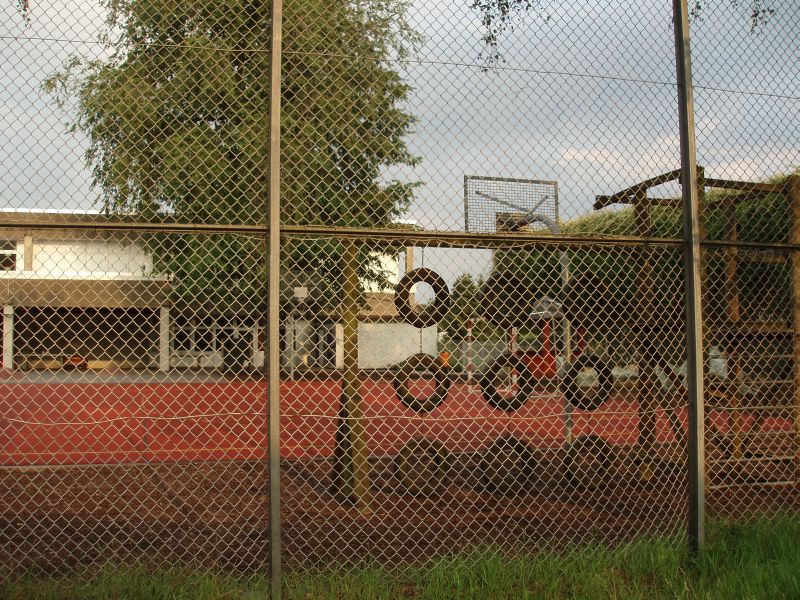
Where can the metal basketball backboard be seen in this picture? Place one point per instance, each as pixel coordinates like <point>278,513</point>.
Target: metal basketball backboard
<point>493,204</point>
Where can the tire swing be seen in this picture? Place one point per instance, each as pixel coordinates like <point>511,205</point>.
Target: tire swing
<point>589,461</point>
<point>572,389</point>
<point>421,466</point>
<point>488,380</point>
<point>415,364</point>
<point>432,314</point>
<point>507,465</point>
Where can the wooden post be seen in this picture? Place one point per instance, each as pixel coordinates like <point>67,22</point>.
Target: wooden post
<point>354,467</point>
<point>793,198</point>
<point>733,315</point>
<point>646,367</point>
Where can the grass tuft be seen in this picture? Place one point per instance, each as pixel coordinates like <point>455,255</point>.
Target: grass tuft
<point>753,561</point>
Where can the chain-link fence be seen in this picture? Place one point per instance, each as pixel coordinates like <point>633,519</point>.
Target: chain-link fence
<point>480,309</point>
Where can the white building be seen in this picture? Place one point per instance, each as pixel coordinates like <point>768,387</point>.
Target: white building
<point>93,293</point>
<point>316,340</point>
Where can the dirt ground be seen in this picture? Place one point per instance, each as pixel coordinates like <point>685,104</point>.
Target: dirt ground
<point>216,514</point>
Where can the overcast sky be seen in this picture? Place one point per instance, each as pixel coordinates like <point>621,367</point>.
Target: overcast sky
<point>586,98</point>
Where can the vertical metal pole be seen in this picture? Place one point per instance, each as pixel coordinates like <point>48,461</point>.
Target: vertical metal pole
<point>793,199</point>
<point>692,259</point>
<point>466,205</point>
<point>273,309</point>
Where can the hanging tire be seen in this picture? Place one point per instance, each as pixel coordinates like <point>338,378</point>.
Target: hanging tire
<point>507,300</point>
<point>589,461</point>
<point>432,314</point>
<point>507,466</point>
<point>572,390</point>
<point>415,364</point>
<point>421,466</point>
<point>488,380</point>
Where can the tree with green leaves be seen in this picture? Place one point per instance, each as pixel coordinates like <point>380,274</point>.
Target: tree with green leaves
<point>465,304</point>
<point>499,16</point>
<point>177,119</point>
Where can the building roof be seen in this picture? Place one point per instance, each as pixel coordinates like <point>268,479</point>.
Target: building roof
<point>85,293</point>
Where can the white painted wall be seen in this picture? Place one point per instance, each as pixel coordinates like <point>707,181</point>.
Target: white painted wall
<point>196,360</point>
<point>381,345</point>
<point>55,259</point>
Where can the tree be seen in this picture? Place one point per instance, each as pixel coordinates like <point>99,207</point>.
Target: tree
<point>498,17</point>
<point>465,304</point>
<point>177,119</point>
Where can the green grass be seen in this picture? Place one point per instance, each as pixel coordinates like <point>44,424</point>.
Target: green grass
<point>758,560</point>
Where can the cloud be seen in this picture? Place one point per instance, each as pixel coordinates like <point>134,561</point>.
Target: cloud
<point>760,164</point>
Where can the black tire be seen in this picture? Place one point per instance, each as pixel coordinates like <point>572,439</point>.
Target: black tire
<point>488,382</point>
<point>432,314</point>
<point>506,300</point>
<point>422,466</point>
<point>507,466</point>
<point>589,461</point>
<point>573,392</point>
<point>424,363</point>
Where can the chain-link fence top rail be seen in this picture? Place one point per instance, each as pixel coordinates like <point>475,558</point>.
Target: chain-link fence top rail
<point>518,385</point>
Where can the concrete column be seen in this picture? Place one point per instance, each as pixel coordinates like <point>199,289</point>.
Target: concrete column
<point>409,266</point>
<point>163,339</point>
<point>27,253</point>
<point>8,337</point>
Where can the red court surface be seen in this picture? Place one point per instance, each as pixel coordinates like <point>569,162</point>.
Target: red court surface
<point>93,423</point>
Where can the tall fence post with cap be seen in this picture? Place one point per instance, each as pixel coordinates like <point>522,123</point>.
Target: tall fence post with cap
<point>273,305</point>
<point>692,259</point>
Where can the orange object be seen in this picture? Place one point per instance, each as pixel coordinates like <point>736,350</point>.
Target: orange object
<point>76,361</point>
<point>444,359</point>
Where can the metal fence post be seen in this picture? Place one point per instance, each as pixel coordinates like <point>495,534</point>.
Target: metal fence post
<point>692,258</point>
<point>273,335</point>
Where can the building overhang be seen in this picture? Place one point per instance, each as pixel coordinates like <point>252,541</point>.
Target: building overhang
<point>85,293</point>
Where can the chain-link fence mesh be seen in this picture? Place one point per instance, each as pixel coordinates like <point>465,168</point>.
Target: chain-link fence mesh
<point>482,298</point>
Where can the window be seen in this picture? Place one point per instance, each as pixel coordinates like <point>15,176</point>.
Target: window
<point>203,339</point>
<point>193,338</point>
<point>8,256</point>
<point>182,340</point>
